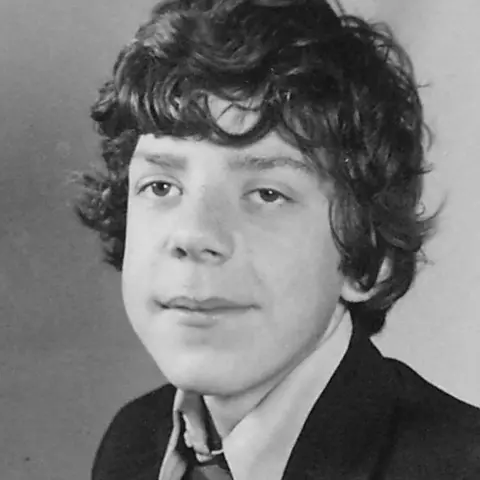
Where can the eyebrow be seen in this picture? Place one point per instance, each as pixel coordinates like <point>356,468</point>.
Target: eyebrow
<point>263,163</point>
<point>167,161</point>
<point>240,162</point>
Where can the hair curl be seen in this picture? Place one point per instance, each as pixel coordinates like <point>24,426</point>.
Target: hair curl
<point>328,83</point>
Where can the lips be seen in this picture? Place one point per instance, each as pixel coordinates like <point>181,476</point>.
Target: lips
<point>208,305</point>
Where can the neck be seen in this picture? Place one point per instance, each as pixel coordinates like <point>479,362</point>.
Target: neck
<point>228,410</point>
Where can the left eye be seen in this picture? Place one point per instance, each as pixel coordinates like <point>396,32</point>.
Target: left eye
<point>269,195</point>
<point>161,189</point>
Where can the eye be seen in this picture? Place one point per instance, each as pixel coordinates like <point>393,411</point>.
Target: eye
<point>269,196</point>
<point>160,189</point>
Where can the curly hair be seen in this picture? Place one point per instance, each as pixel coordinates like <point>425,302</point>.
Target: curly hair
<point>327,82</point>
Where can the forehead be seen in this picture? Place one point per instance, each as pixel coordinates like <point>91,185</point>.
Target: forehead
<point>270,146</point>
<point>235,119</point>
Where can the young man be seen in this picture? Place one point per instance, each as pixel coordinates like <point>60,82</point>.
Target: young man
<point>264,164</point>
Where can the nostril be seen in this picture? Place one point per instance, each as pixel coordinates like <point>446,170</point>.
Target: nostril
<point>180,252</point>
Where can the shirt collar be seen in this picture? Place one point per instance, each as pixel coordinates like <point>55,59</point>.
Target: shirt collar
<point>260,444</point>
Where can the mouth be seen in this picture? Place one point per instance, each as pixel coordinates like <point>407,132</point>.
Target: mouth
<point>211,305</point>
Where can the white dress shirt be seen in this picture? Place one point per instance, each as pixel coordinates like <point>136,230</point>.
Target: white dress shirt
<point>259,446</point>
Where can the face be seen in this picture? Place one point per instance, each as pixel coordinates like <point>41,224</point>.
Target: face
<point>230,272</point>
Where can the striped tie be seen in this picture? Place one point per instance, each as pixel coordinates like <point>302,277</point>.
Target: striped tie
<point>214,469</point>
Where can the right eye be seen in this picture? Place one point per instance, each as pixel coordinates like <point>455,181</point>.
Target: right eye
<point>160,189</point>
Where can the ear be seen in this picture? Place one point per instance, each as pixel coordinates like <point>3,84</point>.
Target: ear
<point>352,292</point>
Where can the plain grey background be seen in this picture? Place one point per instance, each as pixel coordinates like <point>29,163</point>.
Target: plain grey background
<point>68,359</point>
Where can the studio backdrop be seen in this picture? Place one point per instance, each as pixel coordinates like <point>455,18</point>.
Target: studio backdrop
<point>68,359</point>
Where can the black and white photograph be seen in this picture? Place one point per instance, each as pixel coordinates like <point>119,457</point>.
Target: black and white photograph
<point>239,240</point>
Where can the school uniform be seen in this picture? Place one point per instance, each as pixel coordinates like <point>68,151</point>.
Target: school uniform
<point>359,416</point>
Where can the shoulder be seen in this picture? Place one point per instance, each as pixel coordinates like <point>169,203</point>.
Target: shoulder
<point>421,401</point>
<point>138,415</point>
<point>136,437</point>
<point>433,429</point>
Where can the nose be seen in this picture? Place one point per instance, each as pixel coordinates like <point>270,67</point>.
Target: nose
<point>201,231</point>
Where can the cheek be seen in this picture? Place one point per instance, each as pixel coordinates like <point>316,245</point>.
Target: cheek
<point>300,264</point>
<point>140,239</point>
<point>137,263</point>
<point>302,286</point>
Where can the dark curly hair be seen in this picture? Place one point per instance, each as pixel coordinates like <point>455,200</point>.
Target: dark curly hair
<point>326,82</point>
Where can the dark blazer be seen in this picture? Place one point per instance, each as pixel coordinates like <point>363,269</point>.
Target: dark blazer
<point>377,419</point>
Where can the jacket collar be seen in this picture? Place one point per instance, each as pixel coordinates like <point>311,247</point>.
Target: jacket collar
<point>347,430</point>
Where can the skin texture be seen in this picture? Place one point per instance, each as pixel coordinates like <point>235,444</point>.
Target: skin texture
<point>202,224</point>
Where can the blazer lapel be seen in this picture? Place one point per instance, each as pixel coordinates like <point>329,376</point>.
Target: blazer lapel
<point>347,431</point>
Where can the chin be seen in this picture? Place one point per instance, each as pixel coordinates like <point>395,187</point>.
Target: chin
<point>201,384</point>
<point>200,378</point>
